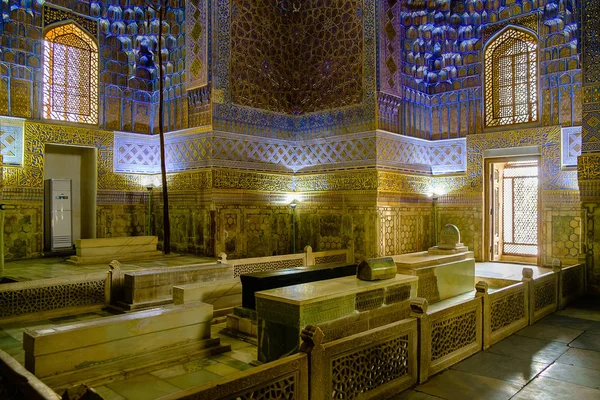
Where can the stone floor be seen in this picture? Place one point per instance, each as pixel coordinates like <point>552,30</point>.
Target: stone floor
<point>157,383</point>
<point>556,358</point>
<point>174,379</point>
<point>54,267</point>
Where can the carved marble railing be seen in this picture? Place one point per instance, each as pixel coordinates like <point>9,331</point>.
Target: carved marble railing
<point>271,263</point>
<point>260,264</point>
<point>571,284</point>
<point>49,298</point>
<point>17,383</point>
<point>343,256</point>
<point>286,378</point>
<point>505,311</point>
<point>374,364</point>
<point>448,333</point>
<point>543,292</point>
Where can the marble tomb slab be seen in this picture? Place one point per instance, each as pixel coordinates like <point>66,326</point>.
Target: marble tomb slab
<point>258,281</point>
<point>223,295</point>
<point>440,276</point>
<point>100,250</point>
<point>376,269</point>
<point>60,348</point>
<point>284,312</point>
<point>155,286</point>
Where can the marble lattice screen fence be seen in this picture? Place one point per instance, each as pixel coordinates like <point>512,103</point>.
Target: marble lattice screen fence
<point>51,298</point>
<point>505,311</point>
<point>287,378</point>
<point>447,335</point>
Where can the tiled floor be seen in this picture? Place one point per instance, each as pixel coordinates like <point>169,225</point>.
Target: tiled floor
<point>556,358</point>
<point>183,376</point>
<point>157,383</point>
<point>11,336</point>
<point>52,267</point>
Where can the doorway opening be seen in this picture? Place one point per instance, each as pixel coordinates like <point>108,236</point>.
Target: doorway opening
<point>77,164</point>
<point>513,201</point>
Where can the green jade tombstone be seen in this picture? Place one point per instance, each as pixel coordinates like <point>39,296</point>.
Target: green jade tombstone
<point>377,269</point>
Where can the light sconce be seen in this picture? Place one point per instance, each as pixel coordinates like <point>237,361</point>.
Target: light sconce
<point>436,193</point>
<point>150,182</point>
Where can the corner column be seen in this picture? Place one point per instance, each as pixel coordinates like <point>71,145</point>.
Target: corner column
<point>588,164</point>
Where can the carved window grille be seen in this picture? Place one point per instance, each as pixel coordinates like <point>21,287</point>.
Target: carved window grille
<point>520,209</point>
<point>70,87</point>
<point>511,79</point>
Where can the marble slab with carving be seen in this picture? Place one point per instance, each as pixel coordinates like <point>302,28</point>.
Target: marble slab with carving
<point>445,270</point>
<point>284,312</point>
<point>440,276</point>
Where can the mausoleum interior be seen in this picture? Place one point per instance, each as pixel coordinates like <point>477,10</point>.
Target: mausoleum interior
<point>299,199</point>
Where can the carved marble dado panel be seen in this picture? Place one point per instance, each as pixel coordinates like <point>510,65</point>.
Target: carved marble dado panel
<point>403,230</point>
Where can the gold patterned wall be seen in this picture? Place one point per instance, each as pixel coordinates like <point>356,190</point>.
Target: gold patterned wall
<point>37,135</point>
<point>296,61</point>
<point>381,211</point>
<point>559,197</point>
<point>23,187</point>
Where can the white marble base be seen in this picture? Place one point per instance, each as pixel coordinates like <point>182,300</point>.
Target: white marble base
<point>61,348</point>
<point>441,276</point>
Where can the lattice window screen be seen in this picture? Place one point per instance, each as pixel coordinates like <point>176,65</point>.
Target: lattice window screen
<point>511,79</point>
<point>70,75</point>
<point>520,213</point>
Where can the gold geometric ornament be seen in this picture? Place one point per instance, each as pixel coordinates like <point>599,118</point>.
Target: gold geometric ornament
<point>70,87</point>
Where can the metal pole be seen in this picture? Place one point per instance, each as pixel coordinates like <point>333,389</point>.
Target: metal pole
<point>435,219</point>
<point>293,206</point>
<point>149,210</point>
<point>294,230</point>
<point>161,10</point>
<point>1,241</point>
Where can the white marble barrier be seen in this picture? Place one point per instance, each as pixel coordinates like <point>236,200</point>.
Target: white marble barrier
<point>155,286</point>
<point>62,348</point>
<point>441,276</point>
<point>223,295</point>
<point>100,250</point>
<point>284,312</point>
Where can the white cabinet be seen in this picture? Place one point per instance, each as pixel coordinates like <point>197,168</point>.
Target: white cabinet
<point>58,225</point>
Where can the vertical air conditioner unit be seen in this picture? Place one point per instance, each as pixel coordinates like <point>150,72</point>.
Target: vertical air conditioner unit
<point>58,226</point>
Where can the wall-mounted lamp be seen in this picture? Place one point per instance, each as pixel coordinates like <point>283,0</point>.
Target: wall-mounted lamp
<point>436,193</point>
<point>293,206</point>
